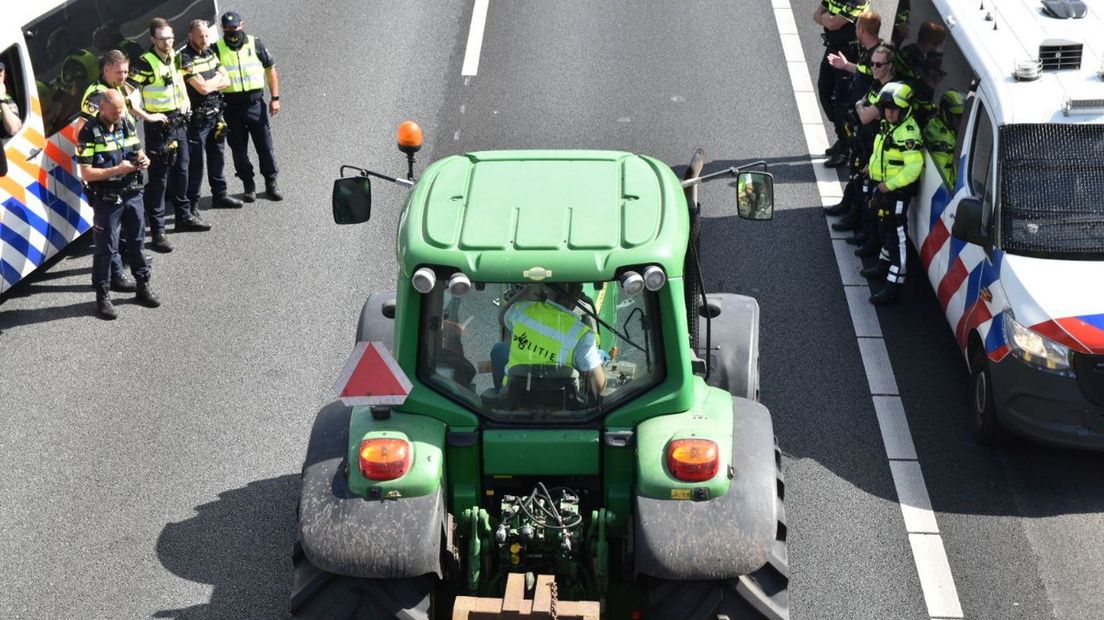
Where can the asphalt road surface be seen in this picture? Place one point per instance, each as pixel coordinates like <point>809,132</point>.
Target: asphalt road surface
<point>149,466</point>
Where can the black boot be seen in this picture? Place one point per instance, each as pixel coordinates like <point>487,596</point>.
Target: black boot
<point>225,201</point>
<point>839,208</point>
<point>272,191</point>
<point>104,308</point>
<point>122,283</point>
<point>250,193</point>
<point>161,243</point>
<point>839,144</point>
<point>858,238</point>
<point>877,270</point>
<point>869,248</point>
<point>838,159</point>
<point>847,222</point>
<point>146,296</point>
<point>888,294</point>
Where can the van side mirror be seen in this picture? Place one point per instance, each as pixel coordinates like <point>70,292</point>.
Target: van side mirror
<point>967,223</point>
<point>352,200</point>
<point>755,195</point>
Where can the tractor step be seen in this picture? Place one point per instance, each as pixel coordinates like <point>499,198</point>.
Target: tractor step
<point>515,605</point>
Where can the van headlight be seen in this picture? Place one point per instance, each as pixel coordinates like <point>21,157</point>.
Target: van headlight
<point>1034,348</point>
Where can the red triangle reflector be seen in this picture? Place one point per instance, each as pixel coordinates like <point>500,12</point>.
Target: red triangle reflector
<point>372,376</point>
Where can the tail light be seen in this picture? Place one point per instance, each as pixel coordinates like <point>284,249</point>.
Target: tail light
<point>384,458</point>
<point>693,460</point>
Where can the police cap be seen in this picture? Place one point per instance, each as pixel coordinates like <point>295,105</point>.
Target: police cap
<point>231,19</point>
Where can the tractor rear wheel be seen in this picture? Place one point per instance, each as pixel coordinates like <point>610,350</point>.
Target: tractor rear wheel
<point>761,594</point>
<point>316,593</point>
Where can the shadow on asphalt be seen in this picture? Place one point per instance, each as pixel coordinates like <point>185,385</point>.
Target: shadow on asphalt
<point>236,544</point>
<point>815,385</point>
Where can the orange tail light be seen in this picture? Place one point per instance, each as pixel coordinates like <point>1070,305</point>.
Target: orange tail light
<point>693,460</point>
<point>384,459</point>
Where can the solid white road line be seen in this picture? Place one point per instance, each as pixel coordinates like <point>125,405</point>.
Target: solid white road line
<point>936,580</point>
<point>475,39</point>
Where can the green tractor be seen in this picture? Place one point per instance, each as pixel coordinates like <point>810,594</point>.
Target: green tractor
<point>578,433</point>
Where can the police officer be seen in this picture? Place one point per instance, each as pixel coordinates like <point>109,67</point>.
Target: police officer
<point>110,157</point>
<point>940,134</point>
<point>205,79</point>
<point>837,17</point>
<point>10,123</point>
<point>545,331</point>
<point>161,86</point>
<point>920,66</point>
<point>249,65</point>
<point>895,165</point>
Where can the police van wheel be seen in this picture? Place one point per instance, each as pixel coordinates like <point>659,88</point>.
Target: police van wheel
<point>987,428</point>
<point>316,593</point>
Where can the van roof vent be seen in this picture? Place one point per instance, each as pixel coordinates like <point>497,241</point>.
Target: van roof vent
<point>1059,54</point>
<point>1064,9</point>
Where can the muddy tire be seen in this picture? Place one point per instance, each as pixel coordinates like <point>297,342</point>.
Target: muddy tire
<point>318,594</point>
<point>761,594</point>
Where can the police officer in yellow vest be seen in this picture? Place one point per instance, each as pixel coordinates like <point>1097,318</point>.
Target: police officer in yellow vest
<point>895,165</point>
<point>249,64</point>
<point>110,159</point>
<point>161,85</point>
<point>546,332</point>
<point>838,18</point>
<point>940,134</point>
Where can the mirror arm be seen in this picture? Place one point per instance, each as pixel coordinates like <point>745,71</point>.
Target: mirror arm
<point>733,171</point>
<point>369,173</point>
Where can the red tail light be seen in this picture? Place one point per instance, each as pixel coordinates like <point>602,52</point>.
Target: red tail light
<point>384,459</point>
<point>693,460</point>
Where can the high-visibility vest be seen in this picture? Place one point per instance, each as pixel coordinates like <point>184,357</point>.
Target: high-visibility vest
<point>164,92</point>
<point>940,142</point>
<point>90,103</point>
<point>543,334</point>
<point>242,65</point>
<point>897,160</point>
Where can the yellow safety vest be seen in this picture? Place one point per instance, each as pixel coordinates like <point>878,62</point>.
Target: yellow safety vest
<point>246,72</point>
<point>897,160</point>
<point>543,334</point>
<point>95,88</point>
<point>165,91</point>
<point>940,142</point>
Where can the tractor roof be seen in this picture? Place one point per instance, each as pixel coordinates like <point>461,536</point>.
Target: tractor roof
<point>579,214</point>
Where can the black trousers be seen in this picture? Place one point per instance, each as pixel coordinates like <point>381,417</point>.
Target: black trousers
<point>201,143</point>
<point>245,120</point>
<point>166,182</point>
<point>893,224</point>
<point>833,86</point>
<point>109,218</point>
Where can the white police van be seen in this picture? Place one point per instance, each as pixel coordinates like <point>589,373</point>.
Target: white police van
<point>1015,249</point>
<point>50,50</point>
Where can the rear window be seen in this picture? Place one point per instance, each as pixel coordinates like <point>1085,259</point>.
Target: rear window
<point>1052,184</point>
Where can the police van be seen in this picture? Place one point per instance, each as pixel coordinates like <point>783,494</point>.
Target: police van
<point>1014,246</point>
<point>50,50</point>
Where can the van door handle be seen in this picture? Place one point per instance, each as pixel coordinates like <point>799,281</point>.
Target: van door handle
<point>33,153</point>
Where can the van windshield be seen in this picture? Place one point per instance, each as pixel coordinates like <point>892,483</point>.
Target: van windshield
<point>534,353</point>
<point>1052,190</point>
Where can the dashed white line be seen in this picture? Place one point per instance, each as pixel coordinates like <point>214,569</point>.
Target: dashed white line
<point>475,39</point>
<point>928,552</point>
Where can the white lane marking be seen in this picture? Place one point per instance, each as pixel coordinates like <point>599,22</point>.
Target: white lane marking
<point>940,594</point>
<point>913,495</point>
<point>928,552</point>
<point>894,426</point>
<point>475,39</point>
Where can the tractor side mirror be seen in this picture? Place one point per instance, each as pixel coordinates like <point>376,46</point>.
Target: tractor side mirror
<point>352,200</point>
<point>967,223</point>
<point>755,195</point>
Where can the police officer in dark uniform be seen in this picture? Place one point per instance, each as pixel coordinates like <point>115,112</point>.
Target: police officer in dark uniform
<point>161,85</point>
<point>110,158</point>
<point>205,79</point>
<point>838,18</point>
<point>896,164</point>
<point>249,65</point>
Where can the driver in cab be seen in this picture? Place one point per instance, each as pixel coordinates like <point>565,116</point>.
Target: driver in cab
<point>543,330</point>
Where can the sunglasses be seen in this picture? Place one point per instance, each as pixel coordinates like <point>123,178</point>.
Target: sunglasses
<point>877,65</point>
